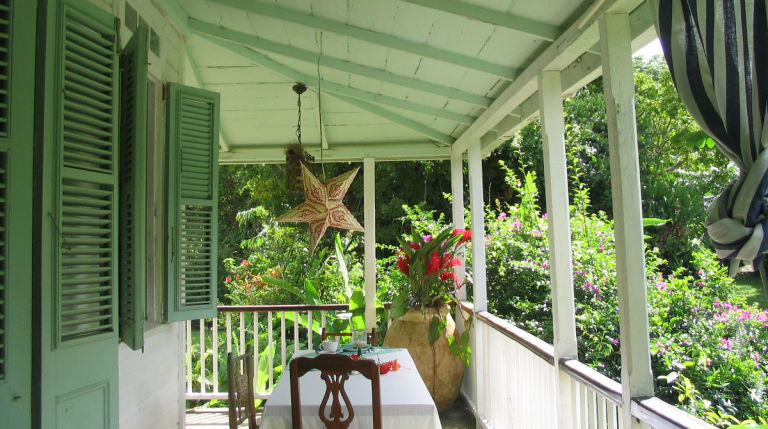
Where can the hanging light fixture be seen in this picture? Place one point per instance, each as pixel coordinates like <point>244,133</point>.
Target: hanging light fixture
<point>295,155</point>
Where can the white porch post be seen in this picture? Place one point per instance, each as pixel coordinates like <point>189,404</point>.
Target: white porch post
<point>369,201</point>
<point>560,268</point>
<point>636,377</point>
<point>479,292</point>
<point>457,205</point>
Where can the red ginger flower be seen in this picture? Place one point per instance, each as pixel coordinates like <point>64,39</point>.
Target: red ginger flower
<point>466,234</point>
<point>404,263</point>
<point>433,265</point>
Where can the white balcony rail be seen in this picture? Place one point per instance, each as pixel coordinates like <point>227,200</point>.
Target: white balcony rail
<point>206,358</point>
<point>518,385</point>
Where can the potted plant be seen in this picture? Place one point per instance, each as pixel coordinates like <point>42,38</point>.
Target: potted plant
<point>420,311</point>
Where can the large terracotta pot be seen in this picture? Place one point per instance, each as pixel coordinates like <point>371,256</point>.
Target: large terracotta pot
<point>439,368</point>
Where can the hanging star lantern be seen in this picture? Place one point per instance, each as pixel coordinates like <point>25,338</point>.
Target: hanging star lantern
<point>324,206</point>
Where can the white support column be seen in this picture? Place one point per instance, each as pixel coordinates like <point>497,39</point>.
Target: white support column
<point>369,201</point>
<point>479,291</point>
<point>457,192</point>
<point>560,268</point>
<point>636,376</point>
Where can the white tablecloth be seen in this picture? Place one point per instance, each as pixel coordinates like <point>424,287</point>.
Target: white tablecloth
<point>405,400</point>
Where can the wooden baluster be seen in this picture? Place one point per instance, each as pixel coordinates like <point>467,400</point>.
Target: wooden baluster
<point>271,352</point>
<point>296,331</point>
<point>242,333</point>
<point>189,356</point>
<point>202,355</point>
<point>215,347</point>
<point>282,338</point>
<point>256,351</point>
<point>229,332</point>
<point>310,331</point>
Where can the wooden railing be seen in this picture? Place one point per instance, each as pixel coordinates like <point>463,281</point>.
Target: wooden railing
<point>206,356</point>
<point>518,378</point>
<point>519,386</point>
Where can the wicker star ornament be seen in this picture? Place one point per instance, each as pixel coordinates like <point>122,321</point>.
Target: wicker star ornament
<point>323,206</point>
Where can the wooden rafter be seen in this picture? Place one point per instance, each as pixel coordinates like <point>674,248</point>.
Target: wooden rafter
<point>341,152</point>
<point>530,27</point>
<point>336,63</point>
<point>335,88</point>
<point>390,41</point>
<point>397,119</point>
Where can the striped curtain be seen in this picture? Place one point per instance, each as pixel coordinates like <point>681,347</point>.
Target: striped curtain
<point>717,52</point>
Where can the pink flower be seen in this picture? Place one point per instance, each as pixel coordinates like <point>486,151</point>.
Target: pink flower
<point>726,343</point>
<point>228,279</point>
<point>661,285</point>
<point>244,263</point>
<point>403,262</point>
<point>536,233</point>
<point>466,234</point>
<point>502,215</point>
<point>544,216</point>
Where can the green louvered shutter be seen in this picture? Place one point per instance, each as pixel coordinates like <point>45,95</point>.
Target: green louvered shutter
<point>133,181</point>
<point>5,48</point>
<point>3,258</point>
<point>86,243</point>
<point>193,136</point>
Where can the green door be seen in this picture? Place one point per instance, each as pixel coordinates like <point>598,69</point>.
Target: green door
<point>78,113</point>
<point>17,40</point>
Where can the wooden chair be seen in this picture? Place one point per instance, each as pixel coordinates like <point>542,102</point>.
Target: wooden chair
<point>371,335</point>
<point>240,375</point>
<point>334,370</point>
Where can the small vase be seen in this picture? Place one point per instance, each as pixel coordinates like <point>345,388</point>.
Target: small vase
<point>440,369</point>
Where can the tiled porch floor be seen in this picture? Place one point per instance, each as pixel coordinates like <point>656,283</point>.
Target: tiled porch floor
<point>456,417</point>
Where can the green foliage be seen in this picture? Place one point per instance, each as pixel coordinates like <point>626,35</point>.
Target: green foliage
<point>680,169</point>
<point>708,346</point>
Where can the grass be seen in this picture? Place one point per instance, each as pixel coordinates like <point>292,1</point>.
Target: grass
<point>751,287</point>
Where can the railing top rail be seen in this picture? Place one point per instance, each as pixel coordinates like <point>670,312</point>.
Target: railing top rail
<point>538,346</point>
<point>658,413</point>
<point>593,379</point>
<point>288,307</point>
<point>285,307</point>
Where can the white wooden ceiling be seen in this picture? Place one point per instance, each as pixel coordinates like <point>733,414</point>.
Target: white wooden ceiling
<point>398,79</point>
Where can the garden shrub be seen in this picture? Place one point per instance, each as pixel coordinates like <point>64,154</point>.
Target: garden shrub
<point>708,347</point>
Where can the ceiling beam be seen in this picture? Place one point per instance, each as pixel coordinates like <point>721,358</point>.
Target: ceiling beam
<point>397,119</point>
<point>576,40</point>
<point>336,63</point>
<point>530,27</point>
<point>387,40</point>
<point>337,89</point>
<point>341,152</point>
<point>579,73</point>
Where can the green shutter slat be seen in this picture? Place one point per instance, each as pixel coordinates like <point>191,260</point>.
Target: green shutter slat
<point>193,138</point>
<point>133,131</point>
<point>87,242</point>
<point>5,84</point>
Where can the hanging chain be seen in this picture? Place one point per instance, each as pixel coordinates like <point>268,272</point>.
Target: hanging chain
<point>298,123</point>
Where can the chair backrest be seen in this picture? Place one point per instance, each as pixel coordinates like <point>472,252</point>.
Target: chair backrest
<point>334,370</point>
<point>240,375</point>
<point>371,335</point>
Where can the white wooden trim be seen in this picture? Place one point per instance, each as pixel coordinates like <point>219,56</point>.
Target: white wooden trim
<point>636,376</point>
<point>479,292</point>
<point>369,197</point>
<point>457,205</point>
<point>560,267</point>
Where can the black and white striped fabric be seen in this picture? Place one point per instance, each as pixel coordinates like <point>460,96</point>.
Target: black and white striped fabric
<point>717,52</point>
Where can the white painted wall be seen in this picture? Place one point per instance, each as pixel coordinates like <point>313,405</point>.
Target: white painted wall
<point>152,381</point>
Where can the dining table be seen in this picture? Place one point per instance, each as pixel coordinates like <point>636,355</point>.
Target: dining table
<point>405,400</point>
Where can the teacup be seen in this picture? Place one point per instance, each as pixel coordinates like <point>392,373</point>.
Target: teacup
<point>329,346</point>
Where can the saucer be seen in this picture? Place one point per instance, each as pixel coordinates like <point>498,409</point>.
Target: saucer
<point>325,352</point>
